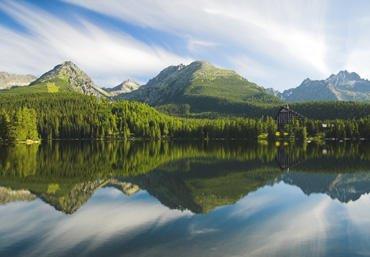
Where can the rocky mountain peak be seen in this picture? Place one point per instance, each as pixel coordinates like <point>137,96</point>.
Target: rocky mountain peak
<point>198,80</point>
<point>69,63</point>
<point>129,83</point>
<point>307,80</point>
<point>200,63</point>
<point>126,86</point>
<point>343,86</point>
<point>180,67</point>
<point>343,77</point>
<point>69,75</point>
<point>71,69</point>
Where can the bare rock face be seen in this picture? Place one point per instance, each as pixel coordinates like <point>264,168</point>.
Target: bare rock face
<point>125,87</point>
<point>8,80</point>
<point>68,75</point>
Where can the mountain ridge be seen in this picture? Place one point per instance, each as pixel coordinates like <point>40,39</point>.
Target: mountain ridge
<point>199,87</point>
<point>343,86</point>
<point>199,83</point>
<point>9,80</point>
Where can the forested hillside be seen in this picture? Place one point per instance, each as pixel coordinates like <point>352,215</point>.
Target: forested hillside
<point>311,110</point>
<point>197,90</point>
<point>333,110</point>
<point>207,102</point>
<point>74,116</point>
<point>78,116</point>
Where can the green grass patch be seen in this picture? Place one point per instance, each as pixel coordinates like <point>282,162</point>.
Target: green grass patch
<point>52,88</point>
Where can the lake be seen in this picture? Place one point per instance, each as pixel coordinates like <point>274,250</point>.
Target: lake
<point>82,198</point>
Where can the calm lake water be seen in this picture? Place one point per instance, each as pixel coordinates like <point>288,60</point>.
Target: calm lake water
<point>184,199</point>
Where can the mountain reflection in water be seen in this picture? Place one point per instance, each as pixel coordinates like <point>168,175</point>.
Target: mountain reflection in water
<point>197,177</point>
<point>138,187</point>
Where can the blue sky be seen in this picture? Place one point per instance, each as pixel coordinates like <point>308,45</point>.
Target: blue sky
<point>273,43</point>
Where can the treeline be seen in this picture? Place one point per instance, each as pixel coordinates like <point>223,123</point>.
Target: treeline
<point>18,124</point>
<point>353,129</point>
<point>102,159</point>
<point>210,107</point>
<point>66,174</point>
<point>217,108</point>
<point>333,110</point>
<point>339,129</point>
<point>106,158</point>
<point>144,121</point>
<point>72,116</point>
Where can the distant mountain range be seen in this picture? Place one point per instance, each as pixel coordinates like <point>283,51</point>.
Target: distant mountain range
<point>125,87</point>
<point>199,87</point>
<point>8,80</point>
<point>344,187</point>
<point>195,191</point>
<point>65,77</point>
<point>344,86</point>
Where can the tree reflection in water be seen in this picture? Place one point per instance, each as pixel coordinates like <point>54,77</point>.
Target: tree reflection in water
<point>197,176</point>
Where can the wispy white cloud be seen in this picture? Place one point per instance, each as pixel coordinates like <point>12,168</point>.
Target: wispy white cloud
<point>358,53</point>
<point>106,54</point>
<point>279,232</point>
<point>275,220</point>
<point>250,68</point>
<point>196,45</point>
<point>95,224</point>
<point>285,34</point>
<point>276,43</point>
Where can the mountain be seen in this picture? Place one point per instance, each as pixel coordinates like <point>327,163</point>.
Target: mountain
<point>202,86</point>
<point>205,184</point>
<point>8,195</point>
<point>344,86</point>
<point>8,80</point>
<point>273,92</point>
<point>344,187</point>
<point>65,77</point>
<point>126,86</point>
<point>79,193</point>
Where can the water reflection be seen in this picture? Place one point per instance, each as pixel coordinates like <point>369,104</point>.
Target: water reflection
<point>184,198</point>
<point>197,177</point>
